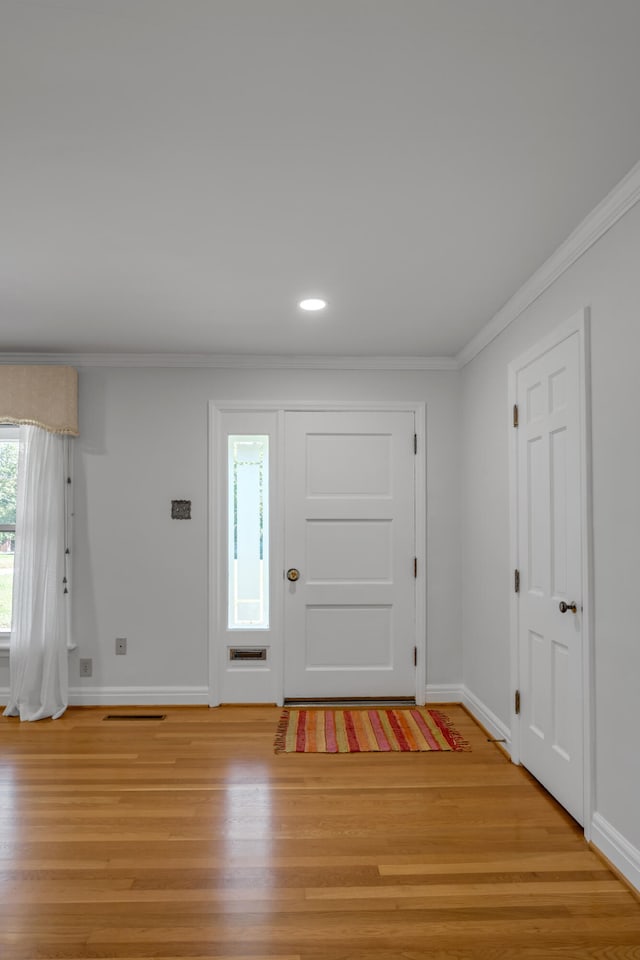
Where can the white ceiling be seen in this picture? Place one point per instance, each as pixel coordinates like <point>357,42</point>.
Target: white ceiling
<point>176,174</point>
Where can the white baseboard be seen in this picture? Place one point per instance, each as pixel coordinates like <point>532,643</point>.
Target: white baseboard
<point>459,693</point>
<point>616,848</point>
<point>137,696</point>
<point>129,696</point>
<point>444,693</point>
<point>491,723</point>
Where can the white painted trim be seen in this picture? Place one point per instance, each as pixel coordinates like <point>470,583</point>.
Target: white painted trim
<point>260,406</point>
<point>216,410</point>
<point>214,459</point>
<point>137,696</point>
<point>514,551</point>
<point>578,323</point>
<point>277,546</point>
<point>232,361</point>
<point>129,696</point>
<point>612,208</point>
<point>616,848</point>
<point>420,497</point>
<point>5,647</point>
<point>460,693</point>
<point>219,637</point>
<point>605,215</point>
<point>491,723</point>
<point>443,693</point>
<point>588,575</point>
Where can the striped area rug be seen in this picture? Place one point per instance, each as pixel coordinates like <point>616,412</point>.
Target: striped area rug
<point>366,731</point>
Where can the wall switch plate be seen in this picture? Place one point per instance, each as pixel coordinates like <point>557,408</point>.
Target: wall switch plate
<point>86,667</point>
<point>121,645</point>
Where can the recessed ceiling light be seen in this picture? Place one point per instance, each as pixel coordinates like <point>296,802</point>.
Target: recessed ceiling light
<point>313,303</point>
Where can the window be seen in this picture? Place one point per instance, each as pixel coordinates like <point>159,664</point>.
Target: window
<point>8,489</point>
<point>248,532</point>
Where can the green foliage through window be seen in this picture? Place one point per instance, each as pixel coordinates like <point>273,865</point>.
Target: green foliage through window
<point>8,480</point>
<point>8,492</point>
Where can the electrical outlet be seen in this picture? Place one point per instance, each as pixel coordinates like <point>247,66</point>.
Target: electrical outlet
<point>121,645</point>
<point>86,667</point>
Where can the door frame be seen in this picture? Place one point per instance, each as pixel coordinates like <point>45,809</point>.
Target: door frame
<point>577,324</point>
<point>218,516</point>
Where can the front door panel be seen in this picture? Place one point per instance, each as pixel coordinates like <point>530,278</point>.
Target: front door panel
<point>349,531</point>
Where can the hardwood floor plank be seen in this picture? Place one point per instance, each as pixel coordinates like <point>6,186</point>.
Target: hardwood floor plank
<point>190,839</point>
<point>585,859</point>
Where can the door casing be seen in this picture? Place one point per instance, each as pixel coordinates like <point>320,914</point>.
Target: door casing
<point>578,323</point>
<point>218,637</point>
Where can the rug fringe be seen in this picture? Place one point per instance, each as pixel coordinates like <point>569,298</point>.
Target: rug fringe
<point>460,742</point>
<point>281,732</point>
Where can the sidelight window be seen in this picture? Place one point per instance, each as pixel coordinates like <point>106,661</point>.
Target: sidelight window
<point>248,532</point>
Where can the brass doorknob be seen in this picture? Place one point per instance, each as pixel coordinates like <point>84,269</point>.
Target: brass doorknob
<point>568,606</point>
<point>293,574</point>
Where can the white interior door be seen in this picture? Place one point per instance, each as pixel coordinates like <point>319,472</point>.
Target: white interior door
<point>349,531</point>
<point>549,550</point>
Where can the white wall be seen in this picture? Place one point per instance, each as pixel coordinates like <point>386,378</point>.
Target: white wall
<point>606,279</point>
<point>141,575</point>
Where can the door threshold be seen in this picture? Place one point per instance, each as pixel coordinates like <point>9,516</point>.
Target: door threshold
<point>350,702</point>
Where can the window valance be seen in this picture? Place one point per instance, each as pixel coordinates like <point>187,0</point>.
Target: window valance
<point>45,396</point>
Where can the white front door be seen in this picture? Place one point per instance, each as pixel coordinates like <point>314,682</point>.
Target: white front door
<point>550,635</point>
<point>349,617</point>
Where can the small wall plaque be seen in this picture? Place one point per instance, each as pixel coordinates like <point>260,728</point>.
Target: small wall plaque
<point>181,509</point>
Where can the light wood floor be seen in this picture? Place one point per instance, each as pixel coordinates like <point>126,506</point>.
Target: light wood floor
<point>189,838</point>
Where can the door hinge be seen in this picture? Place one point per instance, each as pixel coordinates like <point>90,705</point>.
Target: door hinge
<point>415,656</point>
<point>516,581</point>
<point>415,443</point>
<point>415,567</point>
<point>515,414</point>
<point>517,702</point>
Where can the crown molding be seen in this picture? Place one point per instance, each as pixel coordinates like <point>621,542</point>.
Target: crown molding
<point>614,206</point>
<point>232,361</point>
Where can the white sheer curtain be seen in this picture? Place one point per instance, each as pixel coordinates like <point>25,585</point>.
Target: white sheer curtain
<point>39,669</point>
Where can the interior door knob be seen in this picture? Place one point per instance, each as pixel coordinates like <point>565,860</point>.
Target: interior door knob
<point>293,574</point>
<point>568,606</point>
